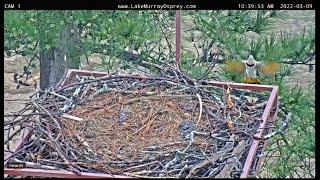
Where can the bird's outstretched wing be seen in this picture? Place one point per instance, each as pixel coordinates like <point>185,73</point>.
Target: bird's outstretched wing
<point>268,68</point>
<point>238,66</point>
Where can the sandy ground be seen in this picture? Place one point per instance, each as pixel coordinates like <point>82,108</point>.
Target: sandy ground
<point>14,99</point>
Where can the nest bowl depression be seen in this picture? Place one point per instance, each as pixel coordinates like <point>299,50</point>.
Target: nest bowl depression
<point>138,126</point>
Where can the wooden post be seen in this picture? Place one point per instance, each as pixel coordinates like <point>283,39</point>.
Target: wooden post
<point>178,37</point>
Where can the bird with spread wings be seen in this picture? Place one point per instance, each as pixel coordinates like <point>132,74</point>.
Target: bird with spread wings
<point>251,68</point>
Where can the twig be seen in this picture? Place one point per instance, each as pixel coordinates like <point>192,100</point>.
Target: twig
<point>72,117</point>
<point>224,173</point>
<point>159,97</point>
<point>141,166</point>
<point>200,113</point>
<point>195,169</point>
<point>165,145</point>
<point>16,99</point>
<point>58,95</point>
<point>21,115</point>
<point>109,78</point>
<point>152,64</point>
<point>186,167</point>
<point>22,149</point>
<point>48,113</point>
<point>12,135</point>
<point>84,143</point>
<point>212,159</point>
<point>70,102</point>
<point>235,120</point>
<point>280,130</point>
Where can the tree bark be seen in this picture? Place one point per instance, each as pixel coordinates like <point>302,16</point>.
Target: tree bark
<point>52,61</point>
<point>51,67</point>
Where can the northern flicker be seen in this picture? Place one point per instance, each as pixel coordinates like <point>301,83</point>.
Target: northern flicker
<point>251,68</point>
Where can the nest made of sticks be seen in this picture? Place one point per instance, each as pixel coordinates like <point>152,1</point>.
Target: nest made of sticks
<point>160,126</point>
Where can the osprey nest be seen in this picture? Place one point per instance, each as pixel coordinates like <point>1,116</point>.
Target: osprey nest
<point>166,125</point>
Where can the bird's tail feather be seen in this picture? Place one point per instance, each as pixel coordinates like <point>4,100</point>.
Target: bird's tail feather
<point>251,80</point>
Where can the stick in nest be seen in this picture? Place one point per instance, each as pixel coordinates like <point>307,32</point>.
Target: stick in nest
<point>224,173</point>
<point>212,159</point>
<point>200,113</point>
<point>72,117</point>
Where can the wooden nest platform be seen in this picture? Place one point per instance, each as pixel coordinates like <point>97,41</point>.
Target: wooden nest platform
<point>116,125</point>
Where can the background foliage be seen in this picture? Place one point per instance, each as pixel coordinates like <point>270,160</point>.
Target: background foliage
<point>123,39</point>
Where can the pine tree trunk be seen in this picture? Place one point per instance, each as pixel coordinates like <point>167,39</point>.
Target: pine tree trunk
<point>52,61</point>
<point>51,67</point>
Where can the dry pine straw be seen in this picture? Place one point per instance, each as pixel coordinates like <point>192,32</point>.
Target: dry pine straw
<point>119,132</point>
<point>118,126</point>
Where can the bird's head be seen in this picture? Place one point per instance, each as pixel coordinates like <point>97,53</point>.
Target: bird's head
<point>250,60</point>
